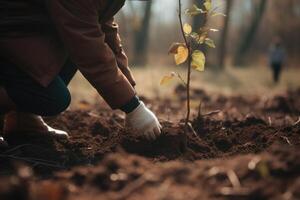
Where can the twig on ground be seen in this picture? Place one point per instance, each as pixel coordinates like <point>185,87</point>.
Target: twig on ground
<point>163,190</point>
<point>93,115</point>
<point>117,123</point>
<point>270,121</point>
<point>132,187</point>
<point>193,131</point>
<point>275,133</point>
<point>286,139</point>
<point>233,178</point>
<point>215,112</point>
<point>297,122</point>
<point>236,189</point>
<point>234,192</point>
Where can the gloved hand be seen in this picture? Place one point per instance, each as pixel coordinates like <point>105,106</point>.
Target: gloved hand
<point>144,121</point>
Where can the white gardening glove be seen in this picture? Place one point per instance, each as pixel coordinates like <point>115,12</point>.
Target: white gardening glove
<point>144,121</point>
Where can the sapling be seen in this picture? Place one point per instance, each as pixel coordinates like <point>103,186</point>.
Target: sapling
<point>189,50</point>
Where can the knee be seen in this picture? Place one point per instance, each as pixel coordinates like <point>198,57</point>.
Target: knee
<point>49,101</point>
<point>58,104</point>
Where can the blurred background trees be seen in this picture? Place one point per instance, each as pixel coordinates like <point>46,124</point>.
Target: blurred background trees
<point>223,36</point>
<point>149,27</point>
<point>141,32</point>
<point>246,39</point>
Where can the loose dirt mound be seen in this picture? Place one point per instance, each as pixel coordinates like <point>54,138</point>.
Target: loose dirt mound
<point>231,154</point>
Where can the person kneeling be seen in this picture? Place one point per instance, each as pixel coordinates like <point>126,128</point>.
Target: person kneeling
<point>39,61</point>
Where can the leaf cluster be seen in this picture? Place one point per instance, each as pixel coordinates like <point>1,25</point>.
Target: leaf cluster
<point>200,36</point>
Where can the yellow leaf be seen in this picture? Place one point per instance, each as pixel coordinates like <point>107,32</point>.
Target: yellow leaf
<point>187,28</point>
<point>207,5</point>
<point>182,55</point>
<point>198,60</point>
<point>174,47</point>
<point>167,79</point>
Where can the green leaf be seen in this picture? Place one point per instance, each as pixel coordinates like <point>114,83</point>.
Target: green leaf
<point>194,11</point>
<point>209,42</point>
<point>194,35</point>
<point>207,5</point>
<point>198,60</point>
<point>199,37</point>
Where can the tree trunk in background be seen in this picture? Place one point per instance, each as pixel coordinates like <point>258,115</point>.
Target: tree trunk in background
<point>199,20</point>
<point>248,37</point>
<point>142,37</point>
<point>223,38</point>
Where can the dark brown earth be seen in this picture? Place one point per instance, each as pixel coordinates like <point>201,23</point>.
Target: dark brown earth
<point>241,148</point>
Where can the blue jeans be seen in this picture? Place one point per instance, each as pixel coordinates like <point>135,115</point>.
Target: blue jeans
<point>276,68</point>
<point>29,96</point>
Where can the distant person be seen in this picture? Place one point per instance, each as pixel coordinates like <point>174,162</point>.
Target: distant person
<point>43,43</point>
<point>276,58</point>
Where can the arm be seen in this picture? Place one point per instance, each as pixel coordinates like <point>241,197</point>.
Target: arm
<point>112,38</point>
<point>78,27</point>
<point>77,24</point>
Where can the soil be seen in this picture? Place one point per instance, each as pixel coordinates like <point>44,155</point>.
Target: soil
<point>239,148</point>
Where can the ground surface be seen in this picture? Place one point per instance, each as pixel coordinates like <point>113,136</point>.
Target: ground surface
<point>242,147</point>
<point>252,80</point>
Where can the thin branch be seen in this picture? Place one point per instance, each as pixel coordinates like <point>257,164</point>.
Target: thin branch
<point>200,110</point>
<point>189,65</point>
<point>181,79</point>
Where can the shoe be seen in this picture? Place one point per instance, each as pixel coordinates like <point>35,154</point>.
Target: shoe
<point>15,122</point>
<point>3,144</point>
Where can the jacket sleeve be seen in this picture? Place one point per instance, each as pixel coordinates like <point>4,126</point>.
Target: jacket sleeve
<point>112,38</point>
<point>77,24</point>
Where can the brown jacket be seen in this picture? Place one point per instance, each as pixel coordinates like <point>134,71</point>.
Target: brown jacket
<point>87,34</point>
